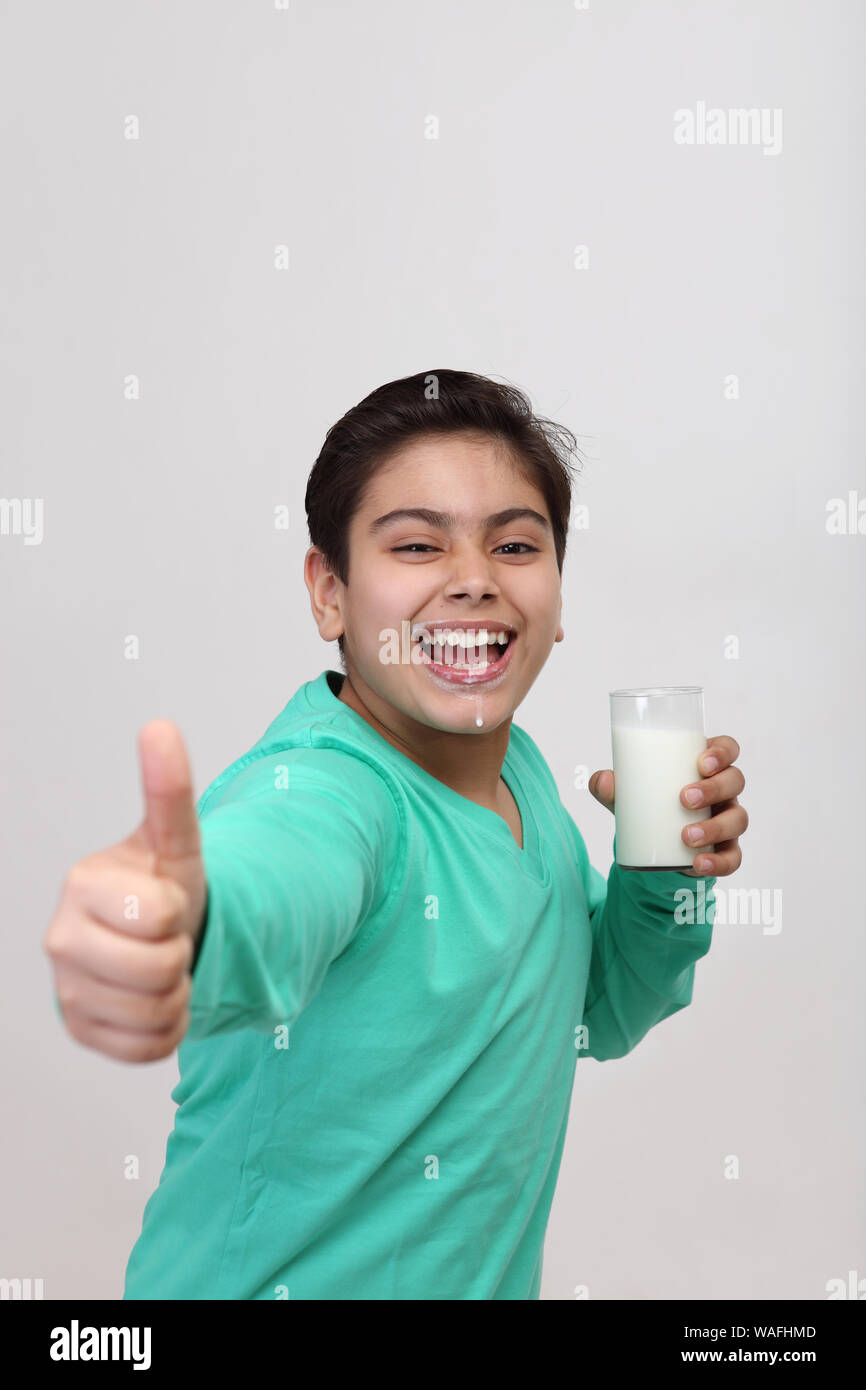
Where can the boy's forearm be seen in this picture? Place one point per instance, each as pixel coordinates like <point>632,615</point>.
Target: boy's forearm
<point>646,942</point>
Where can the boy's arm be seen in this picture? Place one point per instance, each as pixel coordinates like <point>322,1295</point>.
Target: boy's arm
<point>292,872</point>
<point>645,943</point>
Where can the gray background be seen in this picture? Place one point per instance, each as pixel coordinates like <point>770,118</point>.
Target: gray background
<point>707,519</point>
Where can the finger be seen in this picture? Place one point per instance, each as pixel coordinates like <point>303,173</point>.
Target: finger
<point>602,786</point>
<point>721,751</point>
<point>127,899</point>
<point>146,967</point>
<point>726,858</point>
<point>723,787</point>
<point>727,825</point>
<point>170,824</point>
<point>95,1001</point>
<point>127,1046</point>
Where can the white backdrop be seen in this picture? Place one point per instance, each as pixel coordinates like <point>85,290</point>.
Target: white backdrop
<point>224,224</point>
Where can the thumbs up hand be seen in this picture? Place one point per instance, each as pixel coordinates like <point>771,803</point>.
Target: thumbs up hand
<point>122,938</point>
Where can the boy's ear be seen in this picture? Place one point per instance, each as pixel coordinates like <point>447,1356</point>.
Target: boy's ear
<point>324,595</point>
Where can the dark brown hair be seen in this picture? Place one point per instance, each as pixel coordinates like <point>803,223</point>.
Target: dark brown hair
<point>437,402</point>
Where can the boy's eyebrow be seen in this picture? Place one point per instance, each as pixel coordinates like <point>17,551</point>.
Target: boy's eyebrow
<point>444,520</point>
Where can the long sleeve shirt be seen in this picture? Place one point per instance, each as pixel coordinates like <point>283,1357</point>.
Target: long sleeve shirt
<point>389,1000</point>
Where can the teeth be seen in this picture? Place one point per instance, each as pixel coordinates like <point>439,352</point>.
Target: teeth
<point>453,637</point>
<point>467,642</point>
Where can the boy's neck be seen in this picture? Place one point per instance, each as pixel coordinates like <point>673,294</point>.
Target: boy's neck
<point>470,764</point>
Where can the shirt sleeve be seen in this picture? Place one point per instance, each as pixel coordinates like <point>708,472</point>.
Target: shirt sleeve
<point>647,935</point>
<point>299,851</point>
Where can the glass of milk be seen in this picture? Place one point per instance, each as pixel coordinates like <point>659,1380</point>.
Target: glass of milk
<point>657,735</point>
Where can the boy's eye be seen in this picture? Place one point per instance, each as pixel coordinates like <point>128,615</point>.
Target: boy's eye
<point>420,545</point>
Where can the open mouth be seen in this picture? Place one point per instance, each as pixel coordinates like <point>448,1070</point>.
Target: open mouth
<point>466,657</point>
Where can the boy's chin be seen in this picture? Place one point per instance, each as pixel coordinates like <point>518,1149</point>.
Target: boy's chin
<point>458,710</point>
<point>412,694</point>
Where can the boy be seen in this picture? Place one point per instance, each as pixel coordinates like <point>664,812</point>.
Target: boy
<point>378,939</point>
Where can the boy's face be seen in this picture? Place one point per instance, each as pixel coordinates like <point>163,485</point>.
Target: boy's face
<point>504,576</point>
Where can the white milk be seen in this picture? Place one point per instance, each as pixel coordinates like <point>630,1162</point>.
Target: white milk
<point>651,767</point>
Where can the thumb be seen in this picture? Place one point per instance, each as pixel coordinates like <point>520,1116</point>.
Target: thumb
<point>170,826</point>
<point>601,784</point>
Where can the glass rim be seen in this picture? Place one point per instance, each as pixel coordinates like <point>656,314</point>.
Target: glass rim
<point>661,690</point>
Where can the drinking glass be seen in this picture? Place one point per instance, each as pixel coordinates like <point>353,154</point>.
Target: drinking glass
<point>657,736</point>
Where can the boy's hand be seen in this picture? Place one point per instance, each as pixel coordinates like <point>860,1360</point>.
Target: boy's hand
<point>718,788</point>
<point>122,937</point>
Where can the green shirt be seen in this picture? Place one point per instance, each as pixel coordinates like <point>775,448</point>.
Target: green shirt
<point>386,1012</point>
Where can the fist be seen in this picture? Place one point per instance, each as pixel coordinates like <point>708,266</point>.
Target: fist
<point>122,938</point>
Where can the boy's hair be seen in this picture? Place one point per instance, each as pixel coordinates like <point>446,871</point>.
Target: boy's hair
<point>440,402</point>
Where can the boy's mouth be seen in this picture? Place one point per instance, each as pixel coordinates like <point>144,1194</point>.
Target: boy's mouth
<point>465,655</point>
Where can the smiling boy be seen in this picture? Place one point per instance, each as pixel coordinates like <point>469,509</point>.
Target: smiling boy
<point>404,948</point>
<point>492,569</point>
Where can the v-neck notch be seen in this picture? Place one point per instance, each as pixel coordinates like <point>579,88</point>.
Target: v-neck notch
<point>476,817</point>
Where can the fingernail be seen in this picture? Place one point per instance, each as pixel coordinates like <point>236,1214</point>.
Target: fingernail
<point>709,764</point>
<point>695,833</point>
<point>694,796</point>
